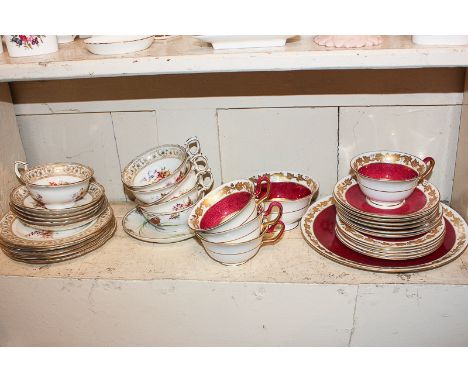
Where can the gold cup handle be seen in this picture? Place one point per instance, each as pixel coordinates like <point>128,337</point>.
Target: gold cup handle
<point>275,235</point>
<point>271,223</point>
<point>430,163</point>
<point>192,146</point>
<point>20,166</point>
<point>258,189</point>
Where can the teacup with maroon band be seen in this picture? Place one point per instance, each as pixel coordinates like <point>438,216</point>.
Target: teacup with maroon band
<point>228,206</point>
<point>388,178</point>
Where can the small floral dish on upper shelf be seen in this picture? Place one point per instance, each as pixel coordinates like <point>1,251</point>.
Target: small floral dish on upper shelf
<point>107,45</point>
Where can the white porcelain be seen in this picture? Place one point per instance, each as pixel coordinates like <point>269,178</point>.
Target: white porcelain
<point>30,45</point>
<point>197,164</point>
<point>385,193</point>
<point>56,185</point>
<point>294,201</point>
<point>244,41</point>
<point>227,206</point>
<point>1,44</point>
<point>106,45</point>
<point>136,225</point>
<point>167,221</point>
<point>248,230</point>
<point>65,39</point>
<point>160,167</point>
<point>183,201</point>
<point>239,253</point>
<point>440,39</point>
<point>291,219</point>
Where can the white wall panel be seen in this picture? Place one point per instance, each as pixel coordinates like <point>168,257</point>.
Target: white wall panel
<point>419,130</point>
<point>294,139</point>
<point>176,126</point>
<point>83,138</point>
<point>68,312</point>
<point>411,315</point>
<point>135,132</point>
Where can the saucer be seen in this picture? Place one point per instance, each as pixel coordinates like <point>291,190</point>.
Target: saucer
<point>318,227</point>
<point>23,201</point>
<point>423,200</point>
<point>135,225</point>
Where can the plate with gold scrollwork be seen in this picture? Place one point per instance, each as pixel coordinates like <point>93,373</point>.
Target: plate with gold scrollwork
<point>318,227</point>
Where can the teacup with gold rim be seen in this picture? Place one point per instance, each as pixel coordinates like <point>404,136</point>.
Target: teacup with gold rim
<point>55,185</point>
<point>387,178</point>
<point>248,230</point>
<point>228,206</point>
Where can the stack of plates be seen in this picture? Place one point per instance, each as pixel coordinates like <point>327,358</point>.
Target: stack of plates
<point>32,233</point>
<point>412,230</point>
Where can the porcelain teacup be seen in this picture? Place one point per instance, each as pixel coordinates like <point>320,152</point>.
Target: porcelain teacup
<point>388,178</point>
<point>197,164</point>
<point>228,206</point>
<point>187,199</point>
<point>160,167</point>
<point>248,230</point>
<point>55,185</point>
<point>294,191</point>
<point>239,253</point>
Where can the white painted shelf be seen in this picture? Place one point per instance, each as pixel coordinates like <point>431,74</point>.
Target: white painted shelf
<point>291,260</point>
<point>188,55</point>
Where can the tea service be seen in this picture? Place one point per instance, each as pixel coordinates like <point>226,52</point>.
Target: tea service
<point>386,217</point>
<point>58,213</point>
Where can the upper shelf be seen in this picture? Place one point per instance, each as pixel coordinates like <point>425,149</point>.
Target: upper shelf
<point>189,55</point>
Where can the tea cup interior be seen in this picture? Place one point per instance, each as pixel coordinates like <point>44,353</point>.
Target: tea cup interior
<point>286,190</point>
<point>224,209</point>
<point>157,171</point>
<point>57,180</point>
<point>388,171</point>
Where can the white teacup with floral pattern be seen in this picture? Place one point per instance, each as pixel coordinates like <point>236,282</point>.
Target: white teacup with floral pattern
<point>56,185</point>
<point>197,164</point>
<point>160,167</point>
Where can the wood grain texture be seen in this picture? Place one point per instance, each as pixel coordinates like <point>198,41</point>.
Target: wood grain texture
<point>11,147</point>
<point>382,81</point>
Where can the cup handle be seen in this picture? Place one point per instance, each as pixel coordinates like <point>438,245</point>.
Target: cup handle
<point>271,223</point>
<point>430,163</point>
<point>203,183</point>
<point>200,162</point>
<point>274,236</point>
<point>258,189</point>
<point>192,146</point>
<point>20,166</point>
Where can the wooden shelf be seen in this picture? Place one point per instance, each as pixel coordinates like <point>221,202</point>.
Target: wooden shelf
<point>292,260</point>
<point>188,55</point>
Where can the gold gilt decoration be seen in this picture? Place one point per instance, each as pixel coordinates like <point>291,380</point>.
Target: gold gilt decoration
<point>9,237</point>
<point>455,220</point>
<point>389,157</point>
<point>32,175</point>
<point>431,192</point>
<point>215,196</point>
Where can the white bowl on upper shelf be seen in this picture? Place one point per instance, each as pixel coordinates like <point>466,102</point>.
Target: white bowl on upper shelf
<point>238,42</point>
<point>440,39</point>
<point>107,45</point>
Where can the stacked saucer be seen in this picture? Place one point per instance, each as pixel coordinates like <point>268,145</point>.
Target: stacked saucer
<point>58,214</point>
<point>231,223</point>
<point>412,230</point>
<point>166,182</point>
<point>386,217</point>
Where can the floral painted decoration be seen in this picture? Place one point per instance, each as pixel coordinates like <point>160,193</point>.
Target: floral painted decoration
<point>157,175</point>
<point>27,41</point>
